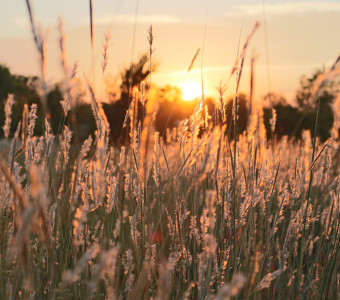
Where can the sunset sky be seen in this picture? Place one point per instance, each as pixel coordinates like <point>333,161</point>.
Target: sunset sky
<point>302,36</point>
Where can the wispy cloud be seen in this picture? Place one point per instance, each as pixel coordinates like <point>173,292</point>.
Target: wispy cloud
<point>286,8</point>
<point>149,19</point>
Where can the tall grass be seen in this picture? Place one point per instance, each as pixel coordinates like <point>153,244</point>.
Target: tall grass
<point>199,217</point>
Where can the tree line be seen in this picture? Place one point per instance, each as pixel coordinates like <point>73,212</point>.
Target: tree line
<point>292,120</point>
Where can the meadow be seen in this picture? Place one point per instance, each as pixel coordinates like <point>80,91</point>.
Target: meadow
<point>204,214</point>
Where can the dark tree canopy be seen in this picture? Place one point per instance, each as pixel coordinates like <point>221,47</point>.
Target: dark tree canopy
<point>291,120</point>
<point>116,111</point>
<point>308,105</point>
<point>134,75</point>
<point>24,90</point>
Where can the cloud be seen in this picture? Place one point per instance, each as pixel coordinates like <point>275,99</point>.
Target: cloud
<point>286,8</point>
<point>149,19</point>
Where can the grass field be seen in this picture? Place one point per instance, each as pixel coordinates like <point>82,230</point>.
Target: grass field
<point>201,216</point>
<point>197,217</point>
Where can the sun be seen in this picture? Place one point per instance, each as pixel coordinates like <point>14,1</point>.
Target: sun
<point>191,90</point>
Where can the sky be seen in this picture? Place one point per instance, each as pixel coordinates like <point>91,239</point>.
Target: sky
<point>295,38</point>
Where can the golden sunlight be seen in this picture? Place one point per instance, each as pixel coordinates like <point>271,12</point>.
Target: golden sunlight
<point>191,90</point>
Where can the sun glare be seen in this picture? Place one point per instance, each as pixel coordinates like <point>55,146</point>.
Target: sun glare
<point>191,90</point>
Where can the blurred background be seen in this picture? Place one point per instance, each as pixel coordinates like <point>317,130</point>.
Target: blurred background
<point>297,41</point>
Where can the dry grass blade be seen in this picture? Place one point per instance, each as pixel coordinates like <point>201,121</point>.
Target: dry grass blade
<point>335,63</point>
<point>177,219</point>
<point>231,289</point>
<point>193,60</point>
<point>99,113</point>
<point>71,276</point>
<point>62,46</point>
<point>165,159</point>
<point>186,75</point>
<point>140,285</point>
<point>267,280</point>
<point>244,50</point>
<point>251,93</point>
<point>16,189</point>
<point>91,22</point>
<point>324,147</point>
<point>36,36</point>
<point>323,78</point>
<point>105,50</point>
<point>150,40</point>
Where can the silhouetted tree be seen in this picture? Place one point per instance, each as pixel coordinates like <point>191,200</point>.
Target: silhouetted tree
<point>308,105</point>
<point>55,109</point>
<point>80,119</point>
<point>132,77</point>
<point>83,121</point>
<point>287,120</point>
<point>242,119</point>
<point>292,120</point>
<point>116,111</point>
<point>170,112</point>
<point>172,108</point>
